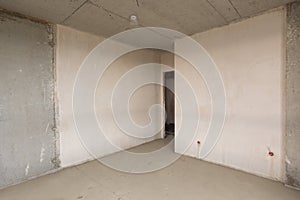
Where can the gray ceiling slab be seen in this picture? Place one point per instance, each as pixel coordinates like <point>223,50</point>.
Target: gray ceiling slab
<point>51,10</point>
<point>226,9</point>
<point>187,16</point>
<point>193,16</point>
<point>248,8</point>
<point>146,15</point>
<point>97,20</point>
<point>108,17</point>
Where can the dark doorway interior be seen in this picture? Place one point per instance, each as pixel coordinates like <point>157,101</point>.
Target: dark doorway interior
<point>169,99</point>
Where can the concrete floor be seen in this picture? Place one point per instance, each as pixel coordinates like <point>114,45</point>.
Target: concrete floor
<point>187,178</point>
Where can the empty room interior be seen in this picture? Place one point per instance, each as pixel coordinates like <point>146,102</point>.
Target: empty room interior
<point>147,99</point>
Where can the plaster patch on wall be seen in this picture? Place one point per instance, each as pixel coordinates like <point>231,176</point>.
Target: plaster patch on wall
<point>42,154</point>
<point>287,161</point>
<point>27,169</point>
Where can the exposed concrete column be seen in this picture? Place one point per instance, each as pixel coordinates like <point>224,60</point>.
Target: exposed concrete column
<point>293,96</point>
<point>28,146</point>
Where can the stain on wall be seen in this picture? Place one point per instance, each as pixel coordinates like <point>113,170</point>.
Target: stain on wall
<point>293,96</point>
<point>27,125</point>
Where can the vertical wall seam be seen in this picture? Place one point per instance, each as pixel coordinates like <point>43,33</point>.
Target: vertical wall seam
<point>55,100</point>
<point>283,95</point>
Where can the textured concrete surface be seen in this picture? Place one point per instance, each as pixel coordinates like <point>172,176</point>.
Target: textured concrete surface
<point>293,96</point>
<point>187,178</point>
<point>107,17</point>
<point>27,138</point>
<point>54,11</point>
<point>246,8</point>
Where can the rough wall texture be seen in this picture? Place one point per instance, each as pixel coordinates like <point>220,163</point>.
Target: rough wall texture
<point>293,96</point>
<point>27,125</point>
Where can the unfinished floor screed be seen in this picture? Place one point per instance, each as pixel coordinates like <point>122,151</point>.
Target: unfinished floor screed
<point>188,178</point>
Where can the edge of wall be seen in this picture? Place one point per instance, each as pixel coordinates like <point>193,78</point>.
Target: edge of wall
<point>292,96</point>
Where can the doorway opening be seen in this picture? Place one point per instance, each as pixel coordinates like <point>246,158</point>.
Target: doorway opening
<point>169,103</point>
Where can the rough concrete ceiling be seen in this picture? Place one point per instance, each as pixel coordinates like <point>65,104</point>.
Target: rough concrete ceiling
<point>108,17</point>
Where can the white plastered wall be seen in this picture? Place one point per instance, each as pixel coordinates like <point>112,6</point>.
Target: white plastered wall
<point>250,57</point>
<point>72,47</point>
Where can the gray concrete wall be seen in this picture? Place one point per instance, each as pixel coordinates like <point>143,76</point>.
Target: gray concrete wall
<point>27,125</point>
<point>293,96</point>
